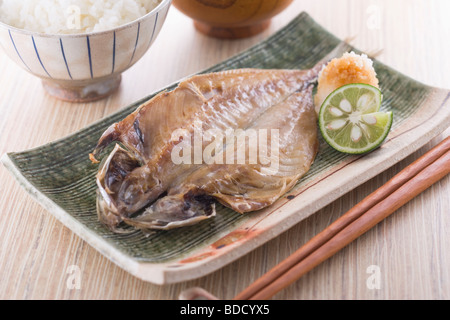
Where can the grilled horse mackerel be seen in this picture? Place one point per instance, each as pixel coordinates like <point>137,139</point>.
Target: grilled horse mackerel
<point>140,172</point>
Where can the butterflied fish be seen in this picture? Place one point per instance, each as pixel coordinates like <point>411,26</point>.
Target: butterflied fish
<point>250,105</point>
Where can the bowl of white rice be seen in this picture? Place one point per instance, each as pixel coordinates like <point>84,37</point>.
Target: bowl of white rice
<point>79,48</point>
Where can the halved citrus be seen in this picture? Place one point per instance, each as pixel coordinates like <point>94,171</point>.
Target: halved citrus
<point>350,120</point>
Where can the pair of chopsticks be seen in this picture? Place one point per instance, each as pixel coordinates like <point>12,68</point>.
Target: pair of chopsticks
<point>410,182</point>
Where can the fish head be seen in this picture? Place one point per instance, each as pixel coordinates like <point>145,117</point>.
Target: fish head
<point>110,177</point>
<point>174,211</point>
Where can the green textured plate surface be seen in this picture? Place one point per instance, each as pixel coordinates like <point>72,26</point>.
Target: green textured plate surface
<point>60,176</point>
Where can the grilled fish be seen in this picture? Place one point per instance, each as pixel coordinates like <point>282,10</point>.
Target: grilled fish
<point>140,173</point>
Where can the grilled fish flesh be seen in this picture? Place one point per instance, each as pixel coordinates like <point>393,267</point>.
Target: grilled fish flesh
<point>140,184</point>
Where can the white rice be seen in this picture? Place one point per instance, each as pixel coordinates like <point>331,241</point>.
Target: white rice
<point>72,16</point>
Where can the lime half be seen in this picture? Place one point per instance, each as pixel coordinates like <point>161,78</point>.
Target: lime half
<point>350,120</point>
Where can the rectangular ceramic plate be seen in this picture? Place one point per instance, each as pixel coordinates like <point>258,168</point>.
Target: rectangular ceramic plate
<point>61,178</point>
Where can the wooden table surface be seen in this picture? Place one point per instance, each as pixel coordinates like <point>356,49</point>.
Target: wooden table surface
<point>410,250</point>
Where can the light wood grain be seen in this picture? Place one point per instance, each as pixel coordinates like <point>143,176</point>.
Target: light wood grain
<point>411,248</point>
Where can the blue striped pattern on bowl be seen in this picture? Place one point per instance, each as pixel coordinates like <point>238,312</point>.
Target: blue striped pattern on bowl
<point>83,56</point>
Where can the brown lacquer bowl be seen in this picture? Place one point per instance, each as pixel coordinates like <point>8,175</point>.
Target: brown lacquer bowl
<point>231,19</point>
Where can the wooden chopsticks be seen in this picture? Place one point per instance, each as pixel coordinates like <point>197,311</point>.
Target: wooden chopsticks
<point>410,182</point>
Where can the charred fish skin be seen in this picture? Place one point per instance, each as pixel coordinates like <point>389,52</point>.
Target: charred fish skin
<point>226,100</point>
